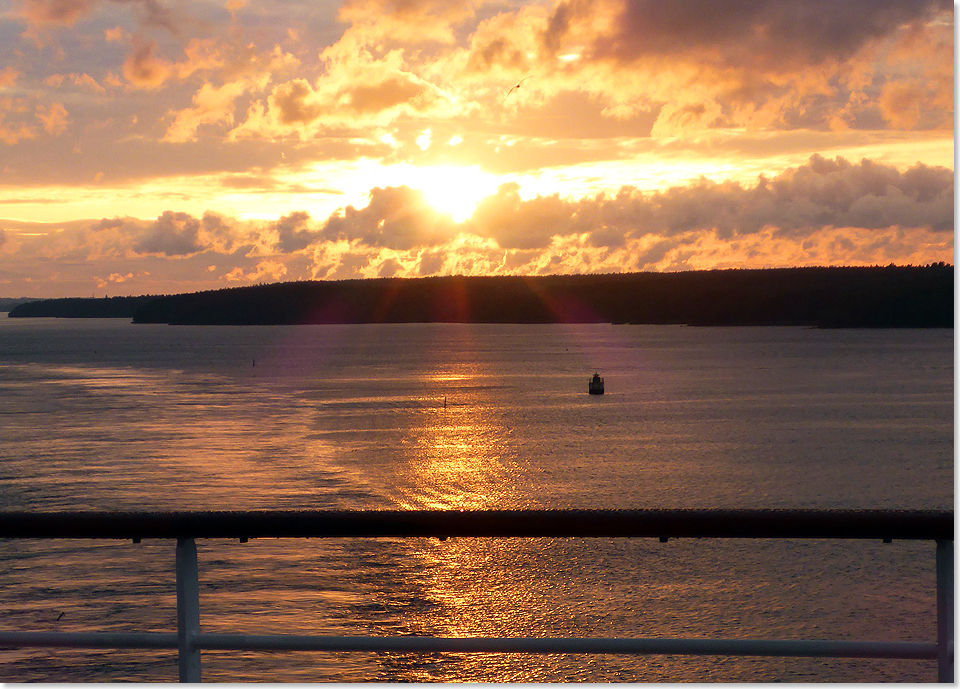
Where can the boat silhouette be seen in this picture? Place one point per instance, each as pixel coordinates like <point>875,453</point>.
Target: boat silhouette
<point>596,385</point>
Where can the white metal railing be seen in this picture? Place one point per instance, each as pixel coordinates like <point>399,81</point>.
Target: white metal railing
<point>186,527</point>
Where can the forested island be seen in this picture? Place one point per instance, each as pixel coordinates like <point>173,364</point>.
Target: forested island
<point>870,297</point>
<point>80,307</point>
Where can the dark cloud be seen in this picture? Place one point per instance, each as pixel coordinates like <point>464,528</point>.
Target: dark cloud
<point>394,90</point>
<point>409,10</point>
<point>842,194</point>
<point>496,50</point>
<point>396,218</point>
<point>172,234</point>
<point>518,224</point>
<point>55,12</point>
<point>346,267</point>
<point>823,193</point>
<point>764,63</point>
<point>294,102</point>
<point>154,14</point>
<point>116,223</point>
<point>68,12</point>
<point>220,233</point>
<point>293,232</point>
<point>769,34</point>
<point>389,268</point>
<point>431,262</point>
<point>143,68</point>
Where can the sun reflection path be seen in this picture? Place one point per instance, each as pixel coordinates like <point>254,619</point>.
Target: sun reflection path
<point>460,456</point>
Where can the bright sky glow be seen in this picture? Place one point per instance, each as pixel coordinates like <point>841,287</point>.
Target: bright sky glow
<point>455,191</point>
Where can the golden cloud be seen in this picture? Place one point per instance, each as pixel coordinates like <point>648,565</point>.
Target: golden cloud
<point>759,64</point>
<point>210,105</point>
<point>406,21</point>
<point>357,91</point>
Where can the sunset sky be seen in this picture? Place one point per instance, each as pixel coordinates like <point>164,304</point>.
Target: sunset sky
<point>164,146</point>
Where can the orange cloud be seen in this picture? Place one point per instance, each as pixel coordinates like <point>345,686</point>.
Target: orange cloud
<point>199,55</point>
<point>264,270</point>
<point>55,12</point>
<point>13,132</point>
<point>8,77</point>
<point>143,68</point>
<point>54,118</point>
<point>88,82</point>
<point>116,34</point>
<point>295,103</point>
<point>210,105</point>
<point>80,80</point>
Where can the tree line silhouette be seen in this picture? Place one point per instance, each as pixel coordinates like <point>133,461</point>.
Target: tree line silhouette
<point>904,297</point>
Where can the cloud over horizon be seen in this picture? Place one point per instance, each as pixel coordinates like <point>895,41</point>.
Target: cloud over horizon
<point>827,212</point>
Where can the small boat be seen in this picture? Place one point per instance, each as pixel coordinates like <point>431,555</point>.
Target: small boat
<point>596,385</point>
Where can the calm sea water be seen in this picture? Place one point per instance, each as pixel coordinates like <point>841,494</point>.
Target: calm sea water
<point>107,415</point>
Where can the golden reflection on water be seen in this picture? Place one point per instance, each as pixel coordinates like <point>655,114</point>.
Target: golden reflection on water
<point>460,456</point>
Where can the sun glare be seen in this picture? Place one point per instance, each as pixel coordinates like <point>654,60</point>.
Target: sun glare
<point>452,190</point>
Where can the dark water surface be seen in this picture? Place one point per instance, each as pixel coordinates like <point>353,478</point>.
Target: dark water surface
<point>108,415</point>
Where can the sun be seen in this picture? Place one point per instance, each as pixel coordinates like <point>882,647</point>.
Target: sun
<point>453,190</point>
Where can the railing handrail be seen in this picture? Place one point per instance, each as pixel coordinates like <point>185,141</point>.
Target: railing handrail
<point>662,523</point>
<point>185,527</point>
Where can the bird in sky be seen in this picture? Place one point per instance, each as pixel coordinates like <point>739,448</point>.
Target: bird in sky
<point>516,87</point>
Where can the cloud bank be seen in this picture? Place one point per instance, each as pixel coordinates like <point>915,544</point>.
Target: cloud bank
<point>827,212</point>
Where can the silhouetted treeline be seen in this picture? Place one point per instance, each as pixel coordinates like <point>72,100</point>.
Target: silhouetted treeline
<point>81,307</point>
<point>824,297</point>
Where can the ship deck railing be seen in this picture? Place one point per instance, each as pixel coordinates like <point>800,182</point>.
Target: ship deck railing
<point>184,528</point>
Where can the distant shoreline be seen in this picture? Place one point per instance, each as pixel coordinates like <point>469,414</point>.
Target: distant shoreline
<point>871,297</point>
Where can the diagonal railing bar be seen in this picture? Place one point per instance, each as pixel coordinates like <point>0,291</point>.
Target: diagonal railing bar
<point>185,527</point>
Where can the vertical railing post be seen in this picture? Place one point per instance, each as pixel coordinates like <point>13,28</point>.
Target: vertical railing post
<point>188,610</point>
<point>945,611</point>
